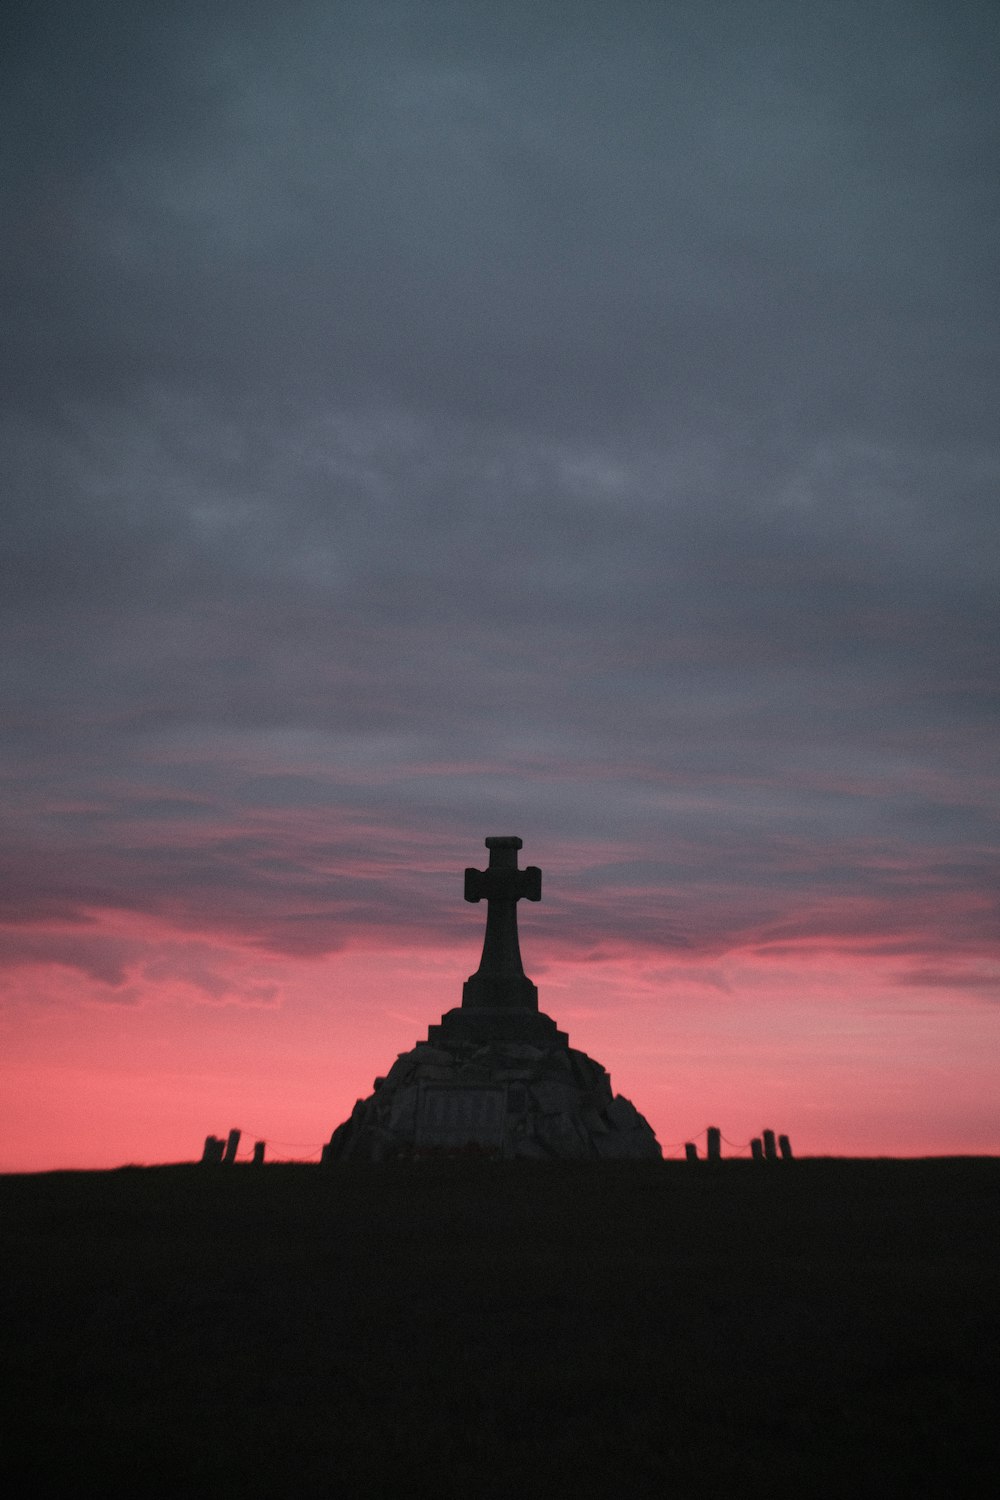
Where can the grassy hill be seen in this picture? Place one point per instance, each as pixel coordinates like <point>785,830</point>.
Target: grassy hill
<point>814,1328</point>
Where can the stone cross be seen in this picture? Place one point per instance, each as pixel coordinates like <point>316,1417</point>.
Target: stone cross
<point>500,981</point>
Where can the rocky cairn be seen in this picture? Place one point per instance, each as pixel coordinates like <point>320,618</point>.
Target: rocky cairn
<point>496,1077</point>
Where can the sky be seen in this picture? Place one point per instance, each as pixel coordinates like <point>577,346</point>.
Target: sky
<point>428,421</point>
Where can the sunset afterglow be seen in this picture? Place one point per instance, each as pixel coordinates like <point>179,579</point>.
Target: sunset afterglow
<point>424,425</point>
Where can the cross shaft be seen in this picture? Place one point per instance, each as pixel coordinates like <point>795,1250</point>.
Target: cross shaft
<point>500,981</point>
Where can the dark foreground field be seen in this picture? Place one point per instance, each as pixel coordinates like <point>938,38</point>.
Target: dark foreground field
<point>812,1328</point>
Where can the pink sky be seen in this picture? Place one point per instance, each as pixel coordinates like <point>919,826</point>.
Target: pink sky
<point>200,1035</point>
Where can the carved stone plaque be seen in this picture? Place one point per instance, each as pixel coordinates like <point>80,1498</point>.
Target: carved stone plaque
<point>451,1116</point>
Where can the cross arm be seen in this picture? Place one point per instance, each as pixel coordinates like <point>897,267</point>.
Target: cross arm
<point>503,885</point>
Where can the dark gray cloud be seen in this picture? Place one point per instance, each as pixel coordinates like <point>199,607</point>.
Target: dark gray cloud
<point>656,216</point>
<point>583,418</point>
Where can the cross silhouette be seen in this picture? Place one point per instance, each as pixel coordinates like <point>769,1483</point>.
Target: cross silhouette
<point>500,981</point>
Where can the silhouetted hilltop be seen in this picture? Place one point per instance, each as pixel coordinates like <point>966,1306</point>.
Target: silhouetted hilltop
<point>534,1329</point>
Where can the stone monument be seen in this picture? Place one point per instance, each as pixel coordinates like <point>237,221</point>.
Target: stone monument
<point>496,1077</point>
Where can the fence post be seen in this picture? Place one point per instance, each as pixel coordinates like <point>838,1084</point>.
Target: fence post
<point>714,1143</point>
<point>232,1146</point>
<point>757,1148</point>
<point>212,1154</point>
<point>690,1151</point>
<point>785,1147</point>
<point>770,1153</point>
<point>258,1153</point>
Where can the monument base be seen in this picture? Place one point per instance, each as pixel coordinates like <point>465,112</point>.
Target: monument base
<point>507,1099</point>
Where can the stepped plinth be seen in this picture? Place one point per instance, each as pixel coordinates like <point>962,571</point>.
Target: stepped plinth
<point>487,1024</point>
<point>496,1076</point>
